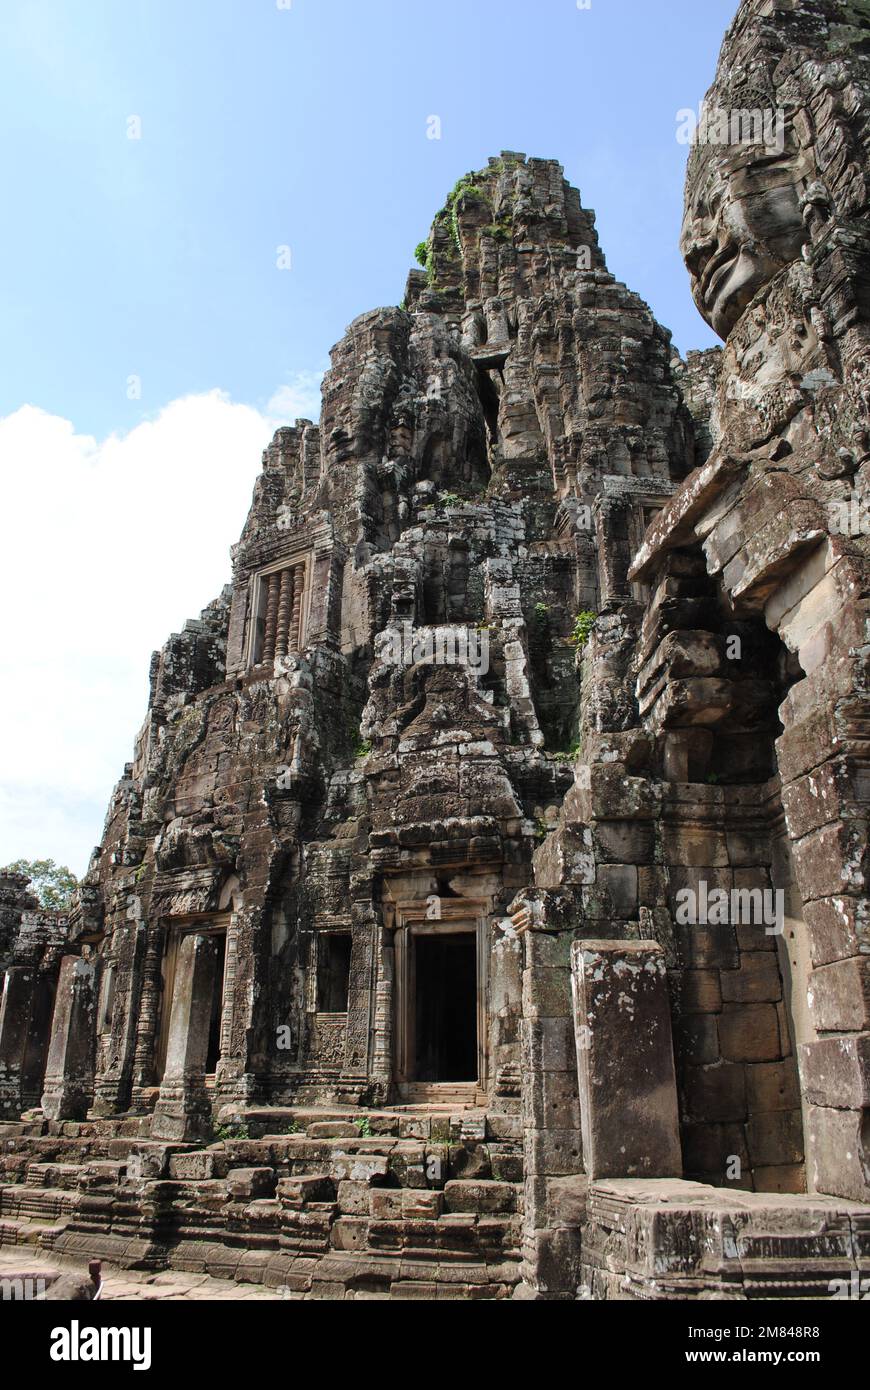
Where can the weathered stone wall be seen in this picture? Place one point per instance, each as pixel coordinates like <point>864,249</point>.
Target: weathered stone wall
<point>549,639</point>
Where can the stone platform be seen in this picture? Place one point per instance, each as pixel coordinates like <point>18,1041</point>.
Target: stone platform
<point>317,1203</point>
<point>667,1239</point>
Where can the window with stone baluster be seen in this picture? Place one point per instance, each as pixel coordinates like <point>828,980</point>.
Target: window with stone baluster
<point>278,612</point>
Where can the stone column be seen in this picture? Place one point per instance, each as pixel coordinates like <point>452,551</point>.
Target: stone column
<point>15,1008</point>
<point>147,1020</point>
<point>625,1060</point>
<point>69,1072</point>
<point>271,622</point>
<point>183,1110</point>
<point>285,609</point>
<point>554,1185</point>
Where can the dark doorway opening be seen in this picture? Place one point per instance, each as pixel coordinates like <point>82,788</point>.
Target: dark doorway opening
<point>217,1003</point>
<point>333,973</point>
<point>445,1032</point>
<point>36,1048</point>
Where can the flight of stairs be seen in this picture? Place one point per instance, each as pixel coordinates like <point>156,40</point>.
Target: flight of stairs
<point>414,1202</point>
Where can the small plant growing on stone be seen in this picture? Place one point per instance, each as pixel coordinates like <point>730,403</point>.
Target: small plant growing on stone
<point>449,499</point>
<point>583,628</point>
<point>496,231</point>
<point>422,254</point>
<point>364,1127</point>
<point>232,1131</point>
<point>463,188</point>
<point>362,748</point>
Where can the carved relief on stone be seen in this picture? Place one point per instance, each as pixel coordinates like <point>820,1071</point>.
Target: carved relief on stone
<point>278,612</point>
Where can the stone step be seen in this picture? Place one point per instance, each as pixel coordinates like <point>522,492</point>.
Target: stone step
<point>33,1203</point>
<point>53,1175</point>
<point>20,1231</point>
<point>386,1276</point>
<point>442,1118</point>
<point>443,1094</point>
<point>450,1238</point>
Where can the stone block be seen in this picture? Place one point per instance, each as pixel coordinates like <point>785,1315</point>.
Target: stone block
<point>197,1167</point>
<point>619,883</point>
<point>250,1184</point>
<point>785,1178</point>
<point>836,1072</point>
<point>546,993</point>
<point>715,1093</point>
<point>696,1039</point>
<point>838,1157</point>
<point>749,1033</point>
<point>350,1233</point>
<point>623,842</point>
<point>708,947</point>
<point>772,1086</point>
<point>775,1139</point>
<point>709,1148</point>
<point>353,1198</point>
<point>837,927</point>
<point>839,996</point>
<point>461,1196</point>
<point>700,992</point>
<point>625,1062</point>
<point>553,1153</point>
<point>757,981</point>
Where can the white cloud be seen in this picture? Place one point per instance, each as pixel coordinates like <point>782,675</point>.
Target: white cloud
<point>108,547</point>
<point>298,399</point>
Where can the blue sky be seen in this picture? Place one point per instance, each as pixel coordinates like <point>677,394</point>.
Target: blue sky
<point>149,339</point>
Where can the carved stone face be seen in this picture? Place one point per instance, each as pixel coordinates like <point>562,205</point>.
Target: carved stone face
<point>401,440</point>
<point>742,225</point>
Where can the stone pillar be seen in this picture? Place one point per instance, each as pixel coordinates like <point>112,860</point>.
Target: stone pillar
<point>147,1020</point>
<point>285,609</point>
<point>270,633</point>
<point>69,1071</point>
<point>554,1186</point>
<point>15,1008</point>
<point>183,1109</point>
<point>625,1060</point>
<point>296,615</point>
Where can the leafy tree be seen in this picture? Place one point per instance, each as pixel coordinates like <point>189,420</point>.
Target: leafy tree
<point>53,884</point>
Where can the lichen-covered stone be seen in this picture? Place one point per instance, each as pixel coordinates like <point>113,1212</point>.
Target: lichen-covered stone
<point>540,636</point>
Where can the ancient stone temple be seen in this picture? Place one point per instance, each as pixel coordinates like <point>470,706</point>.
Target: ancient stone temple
<point>484,911</point>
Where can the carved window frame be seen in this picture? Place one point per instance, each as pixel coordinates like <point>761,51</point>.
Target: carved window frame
<point>258,597</point>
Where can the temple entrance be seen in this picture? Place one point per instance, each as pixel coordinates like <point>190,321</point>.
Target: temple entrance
<point>445,1007</point>
<point>193,999</point>
<point>440,1004</point>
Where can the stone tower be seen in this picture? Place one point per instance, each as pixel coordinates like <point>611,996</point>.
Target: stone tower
<point>494,849</point>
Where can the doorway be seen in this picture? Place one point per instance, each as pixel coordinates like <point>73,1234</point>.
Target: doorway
<point>208,1004</point>
<point>217,1005</point>
<point>445,1007</point>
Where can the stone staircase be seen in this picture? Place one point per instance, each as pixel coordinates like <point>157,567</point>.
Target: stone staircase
<point>404,1203</point>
